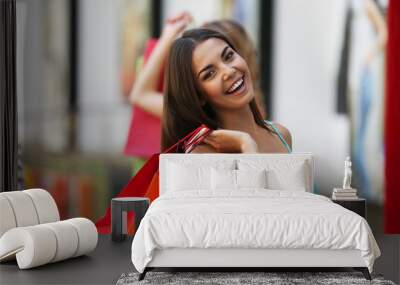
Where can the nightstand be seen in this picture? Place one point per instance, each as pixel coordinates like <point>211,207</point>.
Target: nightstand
<point>358,206</point>
<point>119,207</point>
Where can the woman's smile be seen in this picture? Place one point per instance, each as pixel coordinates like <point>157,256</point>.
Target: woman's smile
<point>238,87</point>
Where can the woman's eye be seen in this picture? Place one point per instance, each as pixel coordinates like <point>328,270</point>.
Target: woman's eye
<point>229,55</point>
<point>209,74</point>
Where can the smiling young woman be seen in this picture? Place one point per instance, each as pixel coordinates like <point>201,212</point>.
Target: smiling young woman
<point>209,83</point>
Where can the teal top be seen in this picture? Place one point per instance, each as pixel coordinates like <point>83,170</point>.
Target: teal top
<point>278,133</point>
<point>270,123</point>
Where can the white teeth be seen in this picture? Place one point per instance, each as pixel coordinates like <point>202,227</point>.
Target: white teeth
<point>236,85</point>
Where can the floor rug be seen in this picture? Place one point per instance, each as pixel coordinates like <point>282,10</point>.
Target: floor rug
<point>229,278</point>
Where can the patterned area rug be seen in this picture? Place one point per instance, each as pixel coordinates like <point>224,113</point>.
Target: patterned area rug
<point>229,278</point>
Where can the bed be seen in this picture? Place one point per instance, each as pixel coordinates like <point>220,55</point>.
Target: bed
<point>248,210</point>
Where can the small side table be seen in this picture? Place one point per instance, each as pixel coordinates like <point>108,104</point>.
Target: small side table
<point>358,206</point>
<point>119,207</point>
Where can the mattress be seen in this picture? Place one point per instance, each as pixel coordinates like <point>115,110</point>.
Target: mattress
<point>250,219</point>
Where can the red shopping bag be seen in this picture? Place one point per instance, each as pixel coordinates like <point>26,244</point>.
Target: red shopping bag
<point>145,182</point>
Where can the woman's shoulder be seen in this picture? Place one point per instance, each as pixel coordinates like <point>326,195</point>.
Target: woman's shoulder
<point>284,132</point>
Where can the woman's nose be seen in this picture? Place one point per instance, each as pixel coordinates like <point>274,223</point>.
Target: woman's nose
<point>228,73</point>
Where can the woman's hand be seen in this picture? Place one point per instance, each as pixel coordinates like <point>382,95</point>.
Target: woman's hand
<point>231,141</point>
<point>174,26</point>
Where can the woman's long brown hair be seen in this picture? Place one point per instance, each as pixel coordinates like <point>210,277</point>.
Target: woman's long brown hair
<point>184,108</point>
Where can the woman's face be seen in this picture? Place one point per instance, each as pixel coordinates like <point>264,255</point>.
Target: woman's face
<point>222,74</point>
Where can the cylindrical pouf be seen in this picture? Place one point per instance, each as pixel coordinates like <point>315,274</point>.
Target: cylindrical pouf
<point>87,235</point>
<point>7,218</point>
<point>23,208</point>
<point>67,239</point>
<point>34,245</point>
<point>40,244</point>
<point>45,205</point>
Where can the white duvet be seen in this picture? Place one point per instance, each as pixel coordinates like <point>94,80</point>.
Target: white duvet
<point>253,218</point>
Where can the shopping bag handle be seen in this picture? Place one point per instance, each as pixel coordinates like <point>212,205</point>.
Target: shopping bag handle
<point>190,140</point>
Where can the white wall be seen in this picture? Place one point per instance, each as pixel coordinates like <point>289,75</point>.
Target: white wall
<point>103,116</point>
<point>308,38</point>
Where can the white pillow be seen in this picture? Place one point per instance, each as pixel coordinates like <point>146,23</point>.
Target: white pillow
<point>293,178</point>
<point>185,174</point>
<point>251,178</point>
<point>223,179</point>
<point>282,174</point>
<point>235,179</point>
<point>181,177</point>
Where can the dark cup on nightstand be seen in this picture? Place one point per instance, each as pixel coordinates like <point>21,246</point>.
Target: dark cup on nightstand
<point>119,209</point>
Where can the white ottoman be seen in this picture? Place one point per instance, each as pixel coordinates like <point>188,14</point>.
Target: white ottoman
<point>31,232</point>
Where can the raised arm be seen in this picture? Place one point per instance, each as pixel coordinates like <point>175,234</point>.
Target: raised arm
<point>144,92</point>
